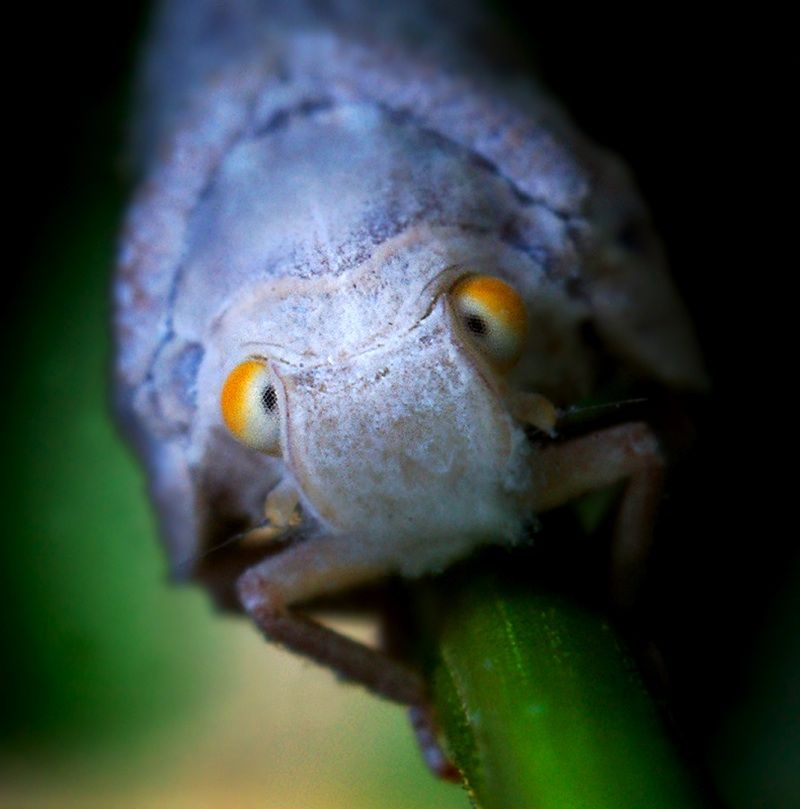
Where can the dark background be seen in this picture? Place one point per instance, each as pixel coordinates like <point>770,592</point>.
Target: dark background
<point>669,95</point>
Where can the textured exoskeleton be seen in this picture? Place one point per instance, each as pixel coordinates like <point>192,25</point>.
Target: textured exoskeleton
<point>315,184</point>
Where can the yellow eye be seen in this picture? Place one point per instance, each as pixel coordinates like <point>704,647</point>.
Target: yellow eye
<point>494,317</point>
<point>249,405</point>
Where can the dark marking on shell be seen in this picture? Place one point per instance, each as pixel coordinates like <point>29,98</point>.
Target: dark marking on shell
<point>280,119</point>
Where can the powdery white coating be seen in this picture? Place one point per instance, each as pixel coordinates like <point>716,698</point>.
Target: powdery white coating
<point>392,452</point>
<point>311,191</point>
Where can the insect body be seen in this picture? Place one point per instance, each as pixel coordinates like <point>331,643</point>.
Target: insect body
<point>357,268</point>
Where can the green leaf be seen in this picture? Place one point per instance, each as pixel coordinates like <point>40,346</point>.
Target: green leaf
<point>540,703</point>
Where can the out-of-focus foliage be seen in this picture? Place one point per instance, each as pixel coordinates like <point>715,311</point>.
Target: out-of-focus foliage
<point>87,583</point>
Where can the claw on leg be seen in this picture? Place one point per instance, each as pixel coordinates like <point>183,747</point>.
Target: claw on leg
<point>427,733</point>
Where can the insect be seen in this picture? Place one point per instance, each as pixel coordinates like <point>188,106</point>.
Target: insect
<point>359,267</point>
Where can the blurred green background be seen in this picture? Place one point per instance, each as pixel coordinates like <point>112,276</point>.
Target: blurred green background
<point>120,690</point>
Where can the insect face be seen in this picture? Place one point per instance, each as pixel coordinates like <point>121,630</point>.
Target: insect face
<point>410,444</point>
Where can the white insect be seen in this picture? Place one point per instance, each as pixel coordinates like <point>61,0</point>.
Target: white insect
<point>358,265</point>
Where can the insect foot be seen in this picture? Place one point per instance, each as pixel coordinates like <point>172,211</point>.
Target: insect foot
<point>426,730</point>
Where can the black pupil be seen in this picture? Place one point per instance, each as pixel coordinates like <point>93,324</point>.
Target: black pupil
<point>269,398</point>
<point>476,324</point>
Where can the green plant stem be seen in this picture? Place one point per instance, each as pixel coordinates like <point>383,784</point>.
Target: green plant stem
<point>540,704</point>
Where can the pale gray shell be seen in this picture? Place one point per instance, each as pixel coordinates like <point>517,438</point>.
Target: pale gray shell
<point>259,119</point>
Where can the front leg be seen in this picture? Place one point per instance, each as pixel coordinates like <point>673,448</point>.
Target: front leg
<point>318,567</point>
<point>629,451</point>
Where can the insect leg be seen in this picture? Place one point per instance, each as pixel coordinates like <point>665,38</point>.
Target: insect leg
<point>634,531</point>
<point>309,570</point>
<point>536,410</point>
<point>280,507</point>
<point>397,626</point>
<point>281,513</point>
<point>628,451</point>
